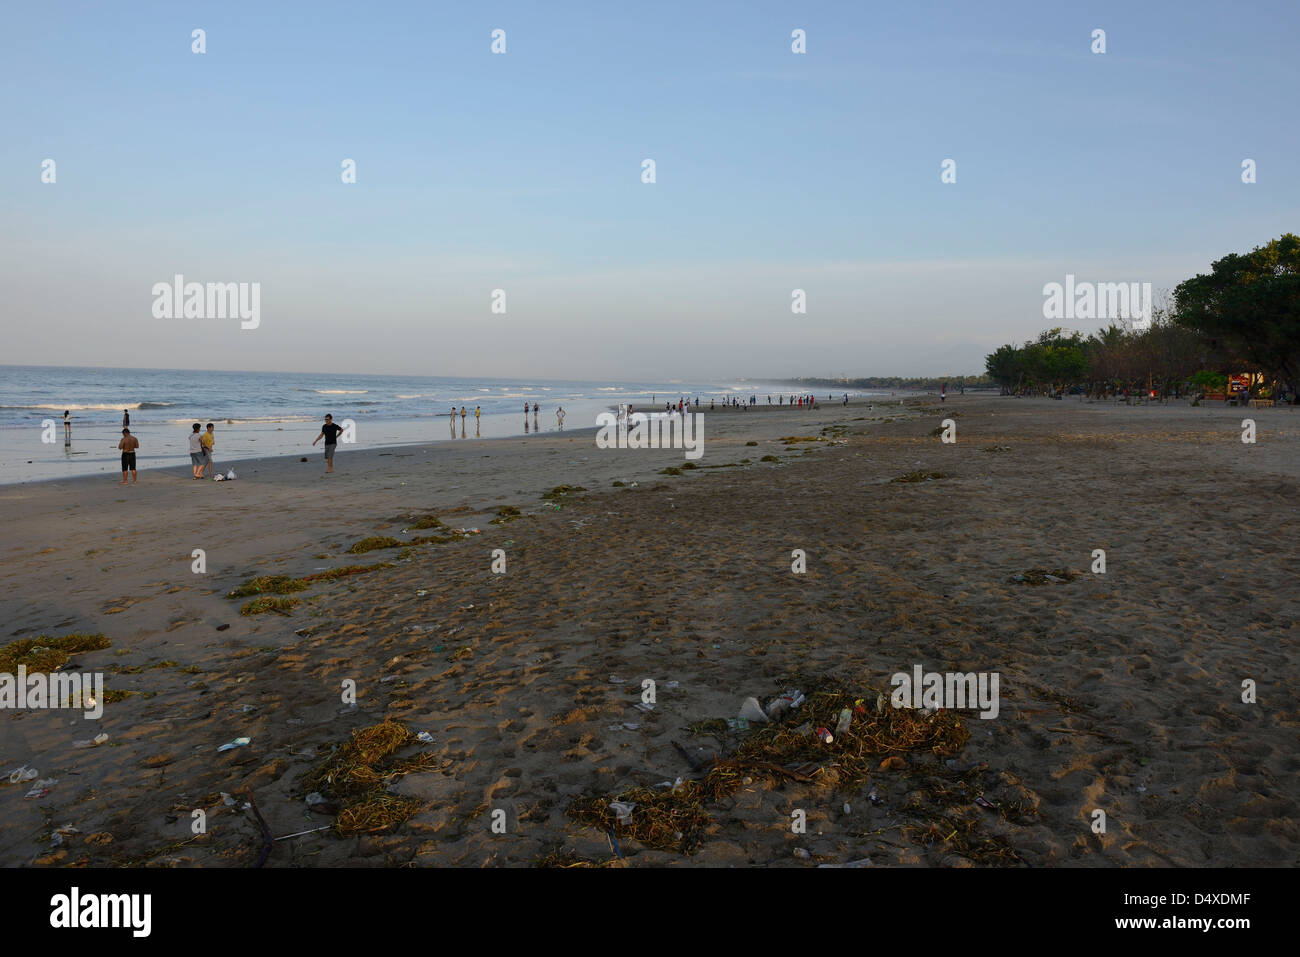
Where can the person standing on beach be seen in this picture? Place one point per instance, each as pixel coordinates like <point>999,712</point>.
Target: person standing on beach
<point>128,445</point>
<point>559,417</point>
<point>196,452</point>
<point>462,421</point>
<point>209,440</point>
<point>478,412</point>
<point>126,419</point>
<point>67,427</point>
<point>330,433</point>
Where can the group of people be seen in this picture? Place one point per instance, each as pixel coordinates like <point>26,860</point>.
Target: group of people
<point>559,418</point>
<point>201,446</point>
<point>478,413</point>
<point>203,442</point>
<point>733,402</point>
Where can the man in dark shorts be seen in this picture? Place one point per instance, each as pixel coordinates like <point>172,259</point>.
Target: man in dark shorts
<point>330,433</point>
<point>128,445</point>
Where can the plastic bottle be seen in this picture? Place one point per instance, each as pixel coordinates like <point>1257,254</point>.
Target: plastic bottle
<point>842,725</point>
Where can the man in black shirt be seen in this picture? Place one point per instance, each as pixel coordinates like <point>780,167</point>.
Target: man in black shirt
<point>330,433</point>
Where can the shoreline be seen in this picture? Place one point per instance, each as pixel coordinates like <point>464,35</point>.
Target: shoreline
<point>400,433</point>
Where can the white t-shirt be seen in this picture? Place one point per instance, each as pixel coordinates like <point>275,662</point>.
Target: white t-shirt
<point>196,442</point>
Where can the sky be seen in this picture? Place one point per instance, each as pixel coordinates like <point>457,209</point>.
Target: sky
<point>522,171</point>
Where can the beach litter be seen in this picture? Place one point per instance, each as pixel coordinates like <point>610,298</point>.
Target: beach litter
<point>59,833</point>
<point>770,753</point>
<point>751,711</point>
<point>42,788</point>
<point>1040,576</point>
<point>23,774</point>
<point>237,743</point>
<point>90,742</point>
<point>424,736</point>
<point>665,820</point>
<point>789,701</point>
<point>357,774</point>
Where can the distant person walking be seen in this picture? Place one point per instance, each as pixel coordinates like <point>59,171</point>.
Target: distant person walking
<point>478,412</point>
<point>559,418</point>
<point>67,427</point>
<point>128,445</point>
<point>196,452</point>
<point>126,419</point>
<point>330,433</point>
<point>209,440</point>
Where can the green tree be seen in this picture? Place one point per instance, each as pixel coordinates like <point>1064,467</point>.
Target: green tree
<point>1249,305</point>
<point>1004,367</point>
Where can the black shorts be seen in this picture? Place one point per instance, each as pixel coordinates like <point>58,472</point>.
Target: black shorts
<point>128,461</point>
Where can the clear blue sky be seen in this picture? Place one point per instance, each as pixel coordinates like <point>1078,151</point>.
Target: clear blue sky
<point>522,171</point>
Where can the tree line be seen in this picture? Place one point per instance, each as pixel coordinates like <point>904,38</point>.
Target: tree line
<point>1241,318</point>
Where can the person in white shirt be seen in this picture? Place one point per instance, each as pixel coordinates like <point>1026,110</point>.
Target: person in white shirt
<point>196,452</point>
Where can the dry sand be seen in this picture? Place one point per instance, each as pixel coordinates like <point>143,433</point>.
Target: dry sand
<point>1119,692</point>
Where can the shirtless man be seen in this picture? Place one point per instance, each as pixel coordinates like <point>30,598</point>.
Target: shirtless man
<point>128,445</point>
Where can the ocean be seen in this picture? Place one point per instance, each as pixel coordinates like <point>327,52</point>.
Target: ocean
<point>259,414</point>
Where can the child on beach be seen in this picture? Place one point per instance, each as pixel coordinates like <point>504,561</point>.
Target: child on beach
<point>330,433</point>
<point>128,445</point>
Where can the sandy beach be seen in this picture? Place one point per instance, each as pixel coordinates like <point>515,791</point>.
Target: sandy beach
<point>1119,691</point>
